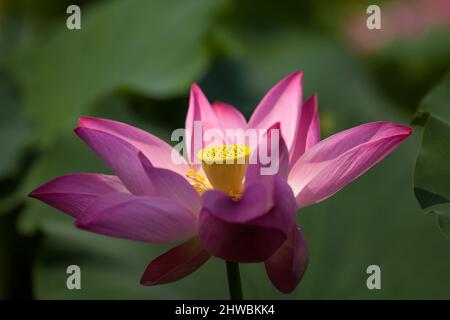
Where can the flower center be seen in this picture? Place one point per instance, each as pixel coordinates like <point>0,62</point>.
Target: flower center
<point>198,181</point>
<point>225,166</point>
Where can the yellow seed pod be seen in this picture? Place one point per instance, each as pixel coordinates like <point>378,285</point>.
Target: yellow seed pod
<point>225,166</point>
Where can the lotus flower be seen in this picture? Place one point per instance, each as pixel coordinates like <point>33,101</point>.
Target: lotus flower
<point>228,211</point>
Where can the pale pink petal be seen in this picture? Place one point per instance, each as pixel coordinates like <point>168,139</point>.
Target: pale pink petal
<point>282,104</point>
<point>228,116</point>
<point>245,230</point>
<point>336,161</point>
<point>287,265</point>
<point>171,185</point>
<point>308,130</point>
<point>176,263</point>
<point>160,153</point>
<point>121,157</point>
<point>73,193</point>
<point>201,112</point>
<point>141,218</point>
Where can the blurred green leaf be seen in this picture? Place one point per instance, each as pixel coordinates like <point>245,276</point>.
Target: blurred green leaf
<point>149,49</point>
<point>346,93</point>
<point>432,171</point>
<point>15,128</point>
<point>444,218</point>
<point>437,102</point>
<point>417,57</point>
<point>407,68</point>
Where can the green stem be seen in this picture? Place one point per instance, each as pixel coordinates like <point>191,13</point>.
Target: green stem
<point>234,280</point>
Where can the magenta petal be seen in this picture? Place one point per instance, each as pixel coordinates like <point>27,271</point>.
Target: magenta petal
<point>258,171</point>
<point>287,265</point>
<point>176,263</point>
<point>171,185</point>
<point>242,211</point>
<point>245,230</point>
<point>282,104</point>
<point>121,157</point>
<point>228,116</point>
<point>336,161</point>
<point>200,111</point>
<point>160,153</point>
<point>141,218</point>
<point>73,193</point>
<point>308,129</point>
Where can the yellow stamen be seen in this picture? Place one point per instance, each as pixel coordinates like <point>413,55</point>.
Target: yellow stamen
<point>198,181</point>
<point>225,167</point>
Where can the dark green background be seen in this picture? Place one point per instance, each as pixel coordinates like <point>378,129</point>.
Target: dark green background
<point>134,61</point>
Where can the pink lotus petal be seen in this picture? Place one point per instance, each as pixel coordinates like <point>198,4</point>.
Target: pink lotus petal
<point>287,265</point>
<point>255,171</point>
<point>200,111</point>
<point>245,230</point>
<point>73,193</point>
<point>282,104</point>
<point>336,161</point>
<point>121,157</point>
<point>176,263</point>
<point>171,185</point>
<point>308,129</point>
<point>228,116</point>
<point>141,218</point>
<point>160,153</point>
